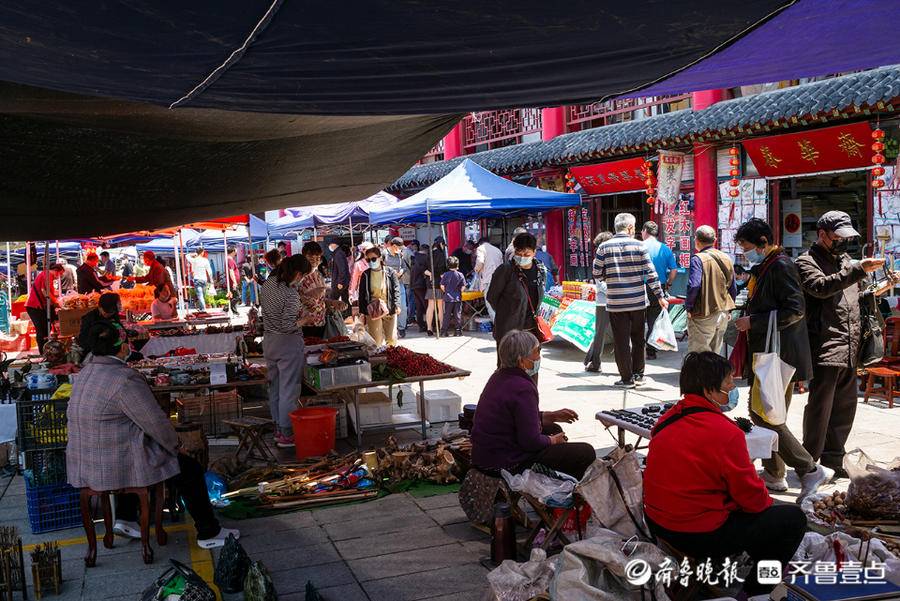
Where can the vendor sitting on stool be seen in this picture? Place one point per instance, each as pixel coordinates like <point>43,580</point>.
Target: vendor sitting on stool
<point>120,438</point>
<point>701,492</point>
<point>510,432</point>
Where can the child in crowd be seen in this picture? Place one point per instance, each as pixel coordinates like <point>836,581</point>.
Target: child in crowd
<point>452,285</point>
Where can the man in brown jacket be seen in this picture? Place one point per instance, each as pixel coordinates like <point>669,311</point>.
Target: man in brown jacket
<point>832,284</point>
<point>710,293</point>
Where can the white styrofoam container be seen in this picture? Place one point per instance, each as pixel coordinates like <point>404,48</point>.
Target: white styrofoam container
<point>372,412</point>
<point>442,405</point>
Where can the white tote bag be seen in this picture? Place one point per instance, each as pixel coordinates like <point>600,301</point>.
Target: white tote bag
<point>772,378</point>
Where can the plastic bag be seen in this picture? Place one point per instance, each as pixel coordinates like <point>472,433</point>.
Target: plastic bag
<point>232,567</point>
<point>662,337</point>
<point>215,488</point>
<point>334,325</point>
<point>258,584</point>
<point>549,491</point>
<point>178,582</point>
<point>512,581</point>
<point>361,335</point>
<point>874,489</point>
<point>613,487</point>
<point>772,376</point>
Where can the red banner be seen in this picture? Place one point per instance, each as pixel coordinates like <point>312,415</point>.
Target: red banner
<point>609,178</point>
<point>827,149</point>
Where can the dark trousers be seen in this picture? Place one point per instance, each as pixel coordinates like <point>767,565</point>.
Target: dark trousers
<point>601,324</point>
<point>828,416</point>
<point>628,339</point>
<point>342,295</point>
<point>774,533</point>
<point>421,305</point>
<point>571,458</point>
<point>191,487</point>
<point>790,451</point>
<point>411,309</point>
<point>41,326</point>
<point>452,317</point>
<point>653,311</point>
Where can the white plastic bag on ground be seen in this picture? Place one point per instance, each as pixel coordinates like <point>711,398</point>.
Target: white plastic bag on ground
<point>662,337</point>
<point>512,581</point>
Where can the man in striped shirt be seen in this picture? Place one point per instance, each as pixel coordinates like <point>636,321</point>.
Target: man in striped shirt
<point>623,263</point>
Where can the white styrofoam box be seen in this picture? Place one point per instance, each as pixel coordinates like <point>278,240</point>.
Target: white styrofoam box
<point>374,409</point>
<point>442,405</point>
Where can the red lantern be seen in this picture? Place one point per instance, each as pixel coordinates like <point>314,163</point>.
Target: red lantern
<point>733,151</point>
<point>734,193</point>
<point>734,162</point>
<point>734,173</point>
<point>734,183</point>
<point>651,200</point>
<point>878,171</point>
<point>878,159</point>
<point>878,134</point>
<point>877,183</point>
<point>878,146</point>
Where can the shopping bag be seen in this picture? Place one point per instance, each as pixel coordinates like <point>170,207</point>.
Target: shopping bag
<point>772,376</point>
<point>662,336</point>
<point>334,325</point>
<point>738,357</point>
<point>178,582</point>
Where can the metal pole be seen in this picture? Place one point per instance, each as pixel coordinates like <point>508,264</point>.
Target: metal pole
<point>28,268</point>
<point>227,272</point>
<point>437,321</point>
<point>178,271</point>
<point>47,283</point>
<point>8,285</point>
<point>350,220</point>
<point>57,251</point>
<point>252,265</point>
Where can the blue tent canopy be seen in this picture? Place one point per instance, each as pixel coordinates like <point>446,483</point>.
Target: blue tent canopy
<point>164,245</point>
<point>302,218</point>
<point>472,192</point>
<point>212,240</point>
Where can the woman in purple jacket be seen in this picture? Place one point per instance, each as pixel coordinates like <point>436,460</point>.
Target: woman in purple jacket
<point>510,432</point>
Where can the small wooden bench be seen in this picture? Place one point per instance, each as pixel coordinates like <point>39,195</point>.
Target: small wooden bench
<point>250,431</point>
<point>143,494</point>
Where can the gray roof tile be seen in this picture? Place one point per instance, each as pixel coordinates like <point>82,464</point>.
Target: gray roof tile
<point>849,93</point>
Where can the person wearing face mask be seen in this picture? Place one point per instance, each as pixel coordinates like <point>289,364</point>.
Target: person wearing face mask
<point>283,343</point>
<point>340,273</point>
<point>510,431</point>
<point>834,285</point>
<point>517,289</point>
<point>379,298</point>
<point>702,494</point>
<point>775,286</point>
<point>311,287</point>
<point>395,258</point>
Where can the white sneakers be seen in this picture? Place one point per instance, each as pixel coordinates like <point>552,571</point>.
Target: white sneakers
<point>219,539</point>
<point>774,484</point>
<point>810,482</point>
<point>127,529</point>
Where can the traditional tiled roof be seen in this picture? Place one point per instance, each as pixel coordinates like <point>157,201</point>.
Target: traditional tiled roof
<point>835,99</point>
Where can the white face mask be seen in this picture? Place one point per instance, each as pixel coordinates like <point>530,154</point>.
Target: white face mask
<point>523,262</point>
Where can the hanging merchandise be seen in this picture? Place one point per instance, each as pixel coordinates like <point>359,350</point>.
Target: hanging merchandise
<point>671,165</point>
<point>649,183</point>
<point>734,172</point>
<point>878,158</point>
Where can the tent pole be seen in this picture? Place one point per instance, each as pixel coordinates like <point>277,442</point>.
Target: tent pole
<point>178,270</point>
<point>47,284</point>
<point>252,264</point>
<point>350,220</point>
<point>57,251</point>
<point>437,321</point>
<point>28,268</point>
<point>8,285</point>
<point>227,272</point>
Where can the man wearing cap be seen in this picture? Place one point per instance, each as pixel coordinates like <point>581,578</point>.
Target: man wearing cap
<point>833,284</point>
<point>395,258</point>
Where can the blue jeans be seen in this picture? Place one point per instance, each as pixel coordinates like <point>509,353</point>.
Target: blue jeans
<point>410,307</point>
<point>248,291</point>
<point>200,288</point>
<point>401,319</point>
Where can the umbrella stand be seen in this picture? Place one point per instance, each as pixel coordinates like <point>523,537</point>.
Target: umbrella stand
<point>437,321</point>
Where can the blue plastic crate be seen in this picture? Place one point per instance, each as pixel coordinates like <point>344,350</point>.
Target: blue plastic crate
<point>52,507</point>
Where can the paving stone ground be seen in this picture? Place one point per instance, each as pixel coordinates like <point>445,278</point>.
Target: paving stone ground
<point>401,548</point>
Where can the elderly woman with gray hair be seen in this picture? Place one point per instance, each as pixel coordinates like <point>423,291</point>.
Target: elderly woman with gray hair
<point>510,431</point>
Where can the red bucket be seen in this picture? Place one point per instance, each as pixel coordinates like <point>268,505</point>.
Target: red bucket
<point>313,431</point>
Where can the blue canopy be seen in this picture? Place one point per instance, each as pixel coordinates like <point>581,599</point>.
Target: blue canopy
<point>343,213</point>
<point>472,192</point>
<point>67,249</point>
<point>164,245</point>
<point>213,241</point>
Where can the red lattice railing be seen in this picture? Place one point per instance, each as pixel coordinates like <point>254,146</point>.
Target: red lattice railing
<point>615,111</point>
<point>499,128</point>
<point>435,154</point>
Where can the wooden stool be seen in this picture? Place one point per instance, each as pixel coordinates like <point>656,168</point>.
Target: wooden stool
<point>553,525</point>
<point>143,493</point>
<point>887,390</point>
<point>250,431</point>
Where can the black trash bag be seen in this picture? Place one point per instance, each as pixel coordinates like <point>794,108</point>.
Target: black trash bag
<point>258,584</point>
<point>182,580</point>
<point>231,569</point>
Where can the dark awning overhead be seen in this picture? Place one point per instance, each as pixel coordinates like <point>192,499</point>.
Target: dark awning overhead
<point>89,144</point>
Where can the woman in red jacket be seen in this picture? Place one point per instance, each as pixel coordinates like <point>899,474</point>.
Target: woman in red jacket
<point>702,494</point>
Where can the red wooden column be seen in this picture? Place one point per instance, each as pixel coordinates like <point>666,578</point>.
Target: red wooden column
<point>553,123</point>
<point>706,185</point>
<point>453,147</point>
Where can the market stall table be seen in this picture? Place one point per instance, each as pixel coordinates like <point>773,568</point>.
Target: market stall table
<point>470,301</point>
<point>761,442</point>
<point>159,391</point>
<point>354,389</point>
<point>202,343</point>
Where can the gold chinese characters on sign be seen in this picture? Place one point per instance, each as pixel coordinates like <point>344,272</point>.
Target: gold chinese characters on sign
<point>849,145</point>
<point>769,156</point>
<point>808,152</point>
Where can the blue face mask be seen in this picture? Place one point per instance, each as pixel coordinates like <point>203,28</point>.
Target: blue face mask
<point>754,256</point>
<point>733,398</point>
<point>523,262</point>
<point>374,264</point>
<point>534,368</point>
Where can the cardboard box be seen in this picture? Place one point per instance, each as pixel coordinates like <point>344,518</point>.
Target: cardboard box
<point>70,321</point>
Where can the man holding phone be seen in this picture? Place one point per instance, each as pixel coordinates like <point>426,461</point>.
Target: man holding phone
<point>833,285</point>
